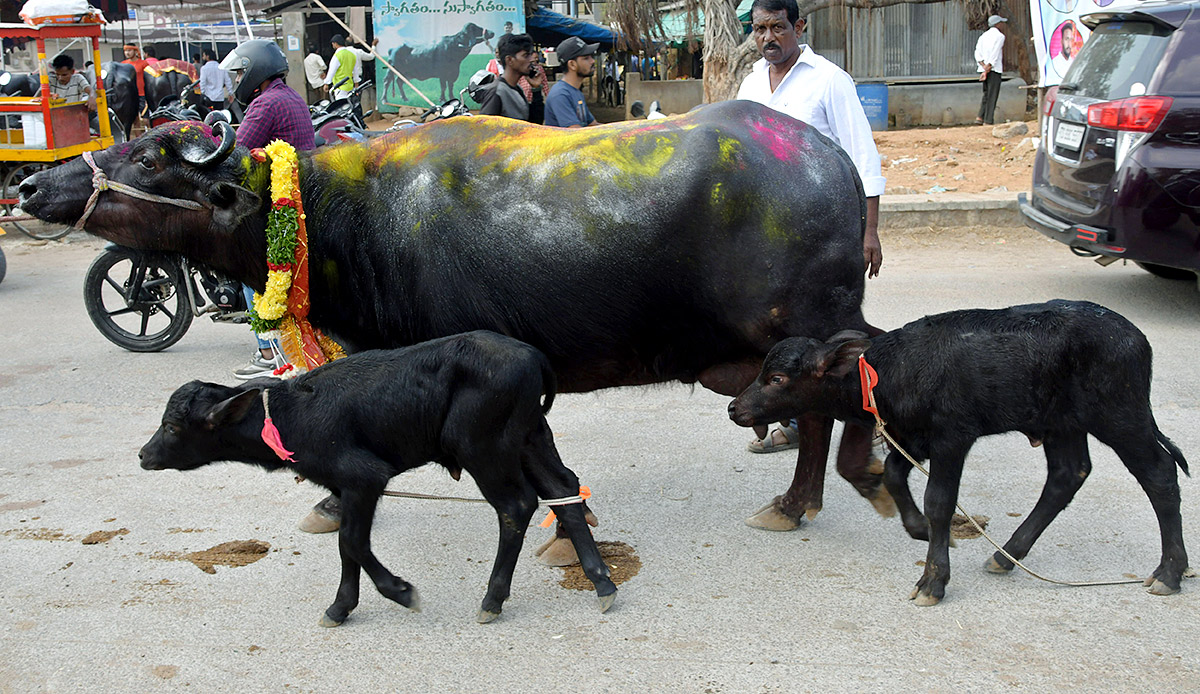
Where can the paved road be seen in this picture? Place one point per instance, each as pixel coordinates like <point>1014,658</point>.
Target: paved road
<point>716,606</point>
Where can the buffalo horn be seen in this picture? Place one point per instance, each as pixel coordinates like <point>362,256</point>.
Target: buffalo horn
<point>228,141</point>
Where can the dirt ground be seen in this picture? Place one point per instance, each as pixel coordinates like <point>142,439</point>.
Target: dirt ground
<point>967,159</point>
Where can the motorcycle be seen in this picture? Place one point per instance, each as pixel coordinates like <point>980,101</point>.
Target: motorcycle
<point>172,110</point>
<point>145,301</point>
<point>330,116</point>
<point>450,109</point>
<point>3,262</point>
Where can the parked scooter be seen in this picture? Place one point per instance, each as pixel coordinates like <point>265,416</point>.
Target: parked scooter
<point>451,109</point>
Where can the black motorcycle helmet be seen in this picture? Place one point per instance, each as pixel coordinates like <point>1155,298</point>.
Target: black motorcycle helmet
<point>254,62</point>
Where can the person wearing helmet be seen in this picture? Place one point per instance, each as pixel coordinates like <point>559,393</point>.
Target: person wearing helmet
<point>274,111</point>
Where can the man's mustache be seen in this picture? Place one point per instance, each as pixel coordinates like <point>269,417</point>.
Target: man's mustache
<point>770,44</point>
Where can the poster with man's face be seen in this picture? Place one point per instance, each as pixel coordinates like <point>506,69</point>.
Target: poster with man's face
<point>1058,33</point>
<point>437,45</point>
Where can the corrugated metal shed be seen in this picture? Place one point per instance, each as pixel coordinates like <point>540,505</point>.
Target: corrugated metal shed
<point>905,42</point>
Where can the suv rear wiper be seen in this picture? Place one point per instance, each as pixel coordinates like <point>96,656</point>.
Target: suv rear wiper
<point>1068,86</point>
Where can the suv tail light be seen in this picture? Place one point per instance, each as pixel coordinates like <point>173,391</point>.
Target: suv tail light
<point>1139,114</point>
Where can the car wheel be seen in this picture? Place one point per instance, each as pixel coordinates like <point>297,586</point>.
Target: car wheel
<point>1165,271</point>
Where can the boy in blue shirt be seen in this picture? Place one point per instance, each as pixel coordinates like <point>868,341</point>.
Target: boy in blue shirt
<point>565,106</point>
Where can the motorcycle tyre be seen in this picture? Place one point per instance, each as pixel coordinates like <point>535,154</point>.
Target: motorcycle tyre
<point>93,285</point>
<point>3,265</point>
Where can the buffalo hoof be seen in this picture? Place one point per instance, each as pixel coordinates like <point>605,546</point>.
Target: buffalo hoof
<point>319,523</point>
<point>883,502</point>
<point>606,601</point>
<point>414,600</point>
<point>1157,587</point>
<point>329,622</point>
<point>558,551</point>
<point>994,567</point>
<point>485,616</point>
<point>771,517</point>
<point>923,599</point>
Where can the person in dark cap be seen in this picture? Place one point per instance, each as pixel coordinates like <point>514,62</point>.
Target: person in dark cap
<point>518,59</point>
<point>566,107</point>
<point>341,69</point>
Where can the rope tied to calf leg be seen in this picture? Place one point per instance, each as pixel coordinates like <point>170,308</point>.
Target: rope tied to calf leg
<point>869,380</point>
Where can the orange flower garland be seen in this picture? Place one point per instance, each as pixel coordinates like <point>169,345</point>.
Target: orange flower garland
<point>281,312</point>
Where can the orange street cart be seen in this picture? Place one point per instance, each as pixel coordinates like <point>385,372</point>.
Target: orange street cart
<point>36,133</point>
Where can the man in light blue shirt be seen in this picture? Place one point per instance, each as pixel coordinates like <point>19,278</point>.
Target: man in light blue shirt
<point>565,105</point>
<point>215,84</point>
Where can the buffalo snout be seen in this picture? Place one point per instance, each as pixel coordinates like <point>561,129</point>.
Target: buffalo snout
<point>745,410</point>
<point>27,190</point>
<point>153,455</point>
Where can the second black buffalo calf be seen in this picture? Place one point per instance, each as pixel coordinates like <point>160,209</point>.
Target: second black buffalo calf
<point>1057,372</point>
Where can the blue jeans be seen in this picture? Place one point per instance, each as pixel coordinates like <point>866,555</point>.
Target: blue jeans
<point>249,294</point>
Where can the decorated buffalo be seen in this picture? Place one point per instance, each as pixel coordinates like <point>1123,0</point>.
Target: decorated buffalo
<point>120,88</point>
<point>679,249</point>
<point>166,79</point>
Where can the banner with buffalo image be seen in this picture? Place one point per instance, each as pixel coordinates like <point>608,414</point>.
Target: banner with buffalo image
<point>438,45</point>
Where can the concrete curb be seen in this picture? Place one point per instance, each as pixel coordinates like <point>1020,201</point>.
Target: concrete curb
<point>948,210</point>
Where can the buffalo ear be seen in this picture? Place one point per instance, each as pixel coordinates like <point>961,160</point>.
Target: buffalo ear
<point>231,410</point>
<point>840,359</point>
<point>231,204</point>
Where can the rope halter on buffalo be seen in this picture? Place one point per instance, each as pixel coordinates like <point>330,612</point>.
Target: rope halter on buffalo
<point>101,183</point>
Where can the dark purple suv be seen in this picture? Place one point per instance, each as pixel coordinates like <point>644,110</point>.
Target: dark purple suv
<point>1117,175</point>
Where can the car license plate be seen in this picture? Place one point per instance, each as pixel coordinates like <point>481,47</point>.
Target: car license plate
<point>1068,135</point>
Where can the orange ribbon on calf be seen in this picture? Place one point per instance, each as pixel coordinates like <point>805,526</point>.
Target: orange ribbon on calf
<point>584,492</point>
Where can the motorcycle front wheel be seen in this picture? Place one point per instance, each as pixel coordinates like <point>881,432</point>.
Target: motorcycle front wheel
<point>137,302</point>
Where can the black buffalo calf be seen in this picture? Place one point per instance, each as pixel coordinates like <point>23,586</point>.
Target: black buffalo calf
<point>468,402</point>
<point>1056,372</point>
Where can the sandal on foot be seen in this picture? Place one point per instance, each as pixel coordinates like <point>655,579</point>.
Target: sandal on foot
<point>768,445</point>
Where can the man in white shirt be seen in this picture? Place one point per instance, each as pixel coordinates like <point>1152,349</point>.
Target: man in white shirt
<point>314,68</point>
<point>791,78</point>
<point>989,56</point>
<point>794,80</point>
<point>215,83</point>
